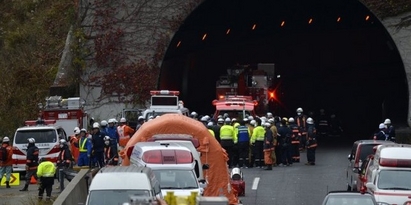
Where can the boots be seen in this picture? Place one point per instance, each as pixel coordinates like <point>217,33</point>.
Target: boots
<point>26,188</point>
<point>269,167</point>
<point>8,185</point>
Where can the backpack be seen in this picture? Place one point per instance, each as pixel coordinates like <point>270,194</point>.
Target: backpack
<point>3,154</point>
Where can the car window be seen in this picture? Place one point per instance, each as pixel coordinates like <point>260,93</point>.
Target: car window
<point>394,179</point>
<point>350,200</point>
<point>41,136</point>
<point>364,166</point>
<point>365,150</point>
<point>176,179</point>
<point>354,150</point>
<point>62,134</point>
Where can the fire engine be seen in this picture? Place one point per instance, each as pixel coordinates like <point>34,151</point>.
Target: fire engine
<point>163,102</point>
<point>235,106</point>
<point>256,81</point>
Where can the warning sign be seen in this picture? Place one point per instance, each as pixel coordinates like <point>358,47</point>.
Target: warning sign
<point>14,179</point>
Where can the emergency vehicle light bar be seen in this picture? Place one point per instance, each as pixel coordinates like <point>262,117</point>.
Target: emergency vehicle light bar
<point>167,157</point>
<point>390,162</point>
<point>39,122</point>
<point>164,92</point>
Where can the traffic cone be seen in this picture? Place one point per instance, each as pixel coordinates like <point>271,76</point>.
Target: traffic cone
<point>33,180</point>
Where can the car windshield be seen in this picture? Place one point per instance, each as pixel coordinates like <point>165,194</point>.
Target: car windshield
<point>114,197</point>
<point>349,200</point>
<point>394,180</point>
<point>155,114</point>
<point>238,114</point>
<point>365,150</point>
<point>176,179</point>
<point>41,136</point>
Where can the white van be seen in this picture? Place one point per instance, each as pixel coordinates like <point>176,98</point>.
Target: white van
<point>187,141</point>
<point>172,164</point>
<point>391,174</point>
<point>116,184</point>
<point>47,138</point>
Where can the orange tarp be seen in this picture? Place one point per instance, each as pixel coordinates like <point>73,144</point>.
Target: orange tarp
<point>218,176</point>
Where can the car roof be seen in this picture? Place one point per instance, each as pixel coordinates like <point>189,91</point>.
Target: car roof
<point>39,127</point>
<point>373,142</point>
<point>351,193</point>
<point>121,177</point>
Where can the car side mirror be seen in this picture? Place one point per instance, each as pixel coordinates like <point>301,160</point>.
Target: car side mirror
<point>370,185</point>
<point>206,166</point>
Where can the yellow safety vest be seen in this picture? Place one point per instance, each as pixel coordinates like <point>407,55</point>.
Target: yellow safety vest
<point>46,169</point>
<point>211,132</point>
<point>82,147</point>
<point>258,134</point>
<point>227,132</point>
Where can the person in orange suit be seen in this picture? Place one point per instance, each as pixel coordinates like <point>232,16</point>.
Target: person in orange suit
<point>124,132</point>
<point>74,143</point>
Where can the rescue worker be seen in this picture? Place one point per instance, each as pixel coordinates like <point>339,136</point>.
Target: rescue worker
<point>210,126</point>
<point>74,144</point>
<point>301,121</point>
<point>268,147</point>
<point>251,157</point>
<point>216,129</point>
<point>295,140</point>
<point>140,122</point>
<point>390,130</point>
<point>45,172</point>
<point>194,115</point>
<point>110,151</point>
<point>103,127</point>
<point>111,131</point>
<point>284,141</point>
<point>257,141</point>
<point>227,139</point>
<point>7,164</point>
<point>234,122</point>
<point>97,139</point>
<point>381,135</point>
<point>243,147</point>
<point>124,132</point>
<point>204,121</point>
<point>65,158</point>
<point>85,149</point>
<point>274,130</point>
<point>270,116</point>
<point>32,161</point>
<point>311,141</point>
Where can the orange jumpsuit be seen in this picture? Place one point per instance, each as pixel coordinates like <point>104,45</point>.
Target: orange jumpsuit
<point>124,132</point>
<point>74,147</point>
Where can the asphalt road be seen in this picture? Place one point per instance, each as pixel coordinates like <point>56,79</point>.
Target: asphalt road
<point>300,184</point>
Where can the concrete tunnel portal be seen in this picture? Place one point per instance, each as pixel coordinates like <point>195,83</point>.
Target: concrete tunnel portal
<point>331,54</point>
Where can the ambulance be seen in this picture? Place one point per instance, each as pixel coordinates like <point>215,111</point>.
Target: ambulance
<point>391,175</point>
<point>234,106</point>
<point>172,164</point>
<point>163,102</point>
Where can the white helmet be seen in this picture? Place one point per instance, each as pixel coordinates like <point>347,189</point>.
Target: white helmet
<point>250,117</point>
<point>106,138</point>
<point>220,120</point>
<point>6,139</point>
<point>123,119</point>
<point>310,121</point>
<point>63,141</point>
<point>31,140</point>
<point>291,120</point>
<point>207,117</point>
<point>76,128</point>
<point>83,130</point>
<point>253,122</point>
<point>299,110</point>
<point>104,123</point>
<point>96,125</point>
<point>267,124</point>
<point>140,118</point>
<point>269,114</point>
<point>263,118</point>
<point>220,116</point>
<point>245,119</point>
<point>210,124</point>
<point>203,119</point>
<point>112,120</point>
<point>381,126</point>
<point>234,120</point>
<point>387,122</point>
<point>193,114</point>
<point>227,119</point>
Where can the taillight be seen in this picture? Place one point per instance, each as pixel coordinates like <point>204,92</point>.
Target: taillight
<point>17,151</point>
<point>55,149</point>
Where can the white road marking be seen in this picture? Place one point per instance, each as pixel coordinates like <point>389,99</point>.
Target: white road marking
<point>255,183</point>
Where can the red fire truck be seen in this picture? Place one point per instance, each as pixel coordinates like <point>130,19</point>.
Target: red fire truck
<point>235,106</point>
<point>256,81</point>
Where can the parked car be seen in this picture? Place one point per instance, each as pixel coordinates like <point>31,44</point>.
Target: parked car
<point>359,152</point>
<point>348,198</point>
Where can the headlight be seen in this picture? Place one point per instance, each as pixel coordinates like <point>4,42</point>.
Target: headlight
<point>382,203</point>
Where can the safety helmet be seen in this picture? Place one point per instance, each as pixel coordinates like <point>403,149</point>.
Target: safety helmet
<point>151,117</point>
<point>263,118</point>
<point>291,120</point>
<point>245,119</point>
<point>106,138</point>
<point>141,118</point>
<point>203,119</point>
<point>193,113</point>
<point>123,119</point>
<point>387,122</point>
<point>220,116</point>
<point>63,141</point>
<point>234,120</point>
<point>76,128</point>
<point>310,121</point>
<point>220,120</point>
<point>299,110</point>
<point>76,132</point>
<point>6,139</point>
<point>250,117</point>
<point>31,140</point>
<point>381,126</point>
<point>207,117</point>
<point>253,122</point>
<point>210,124</point>
<point>269,114</point>
<point>285,119</point>
<point>227,119</point>
<point>267,124</point>
<point>83,130</point>
<point>96,125</point>
<point>112,120</point>
<point>103,123</point>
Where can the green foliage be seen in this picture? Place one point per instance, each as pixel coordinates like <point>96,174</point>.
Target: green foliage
<point>32,36</point>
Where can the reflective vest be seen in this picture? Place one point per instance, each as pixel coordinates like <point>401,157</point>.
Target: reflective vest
<point>227,132</point>
<point>83,144</point>
<point>243,134</point>
<point>211,132</point>
<point>46,169</point>
<point>258,134</point>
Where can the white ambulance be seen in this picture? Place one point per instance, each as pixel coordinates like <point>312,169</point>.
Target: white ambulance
<point>172,164</point>
<point>391,175</point>
<point>163,102</point>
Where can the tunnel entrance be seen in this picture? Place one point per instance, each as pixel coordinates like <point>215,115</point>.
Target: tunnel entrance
<point>334,55</point>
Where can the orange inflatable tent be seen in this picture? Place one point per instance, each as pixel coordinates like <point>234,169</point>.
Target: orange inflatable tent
<point>217,175</point>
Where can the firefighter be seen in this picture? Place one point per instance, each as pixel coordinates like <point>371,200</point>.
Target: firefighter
<point>243,136</point>
<point>381,134</point>
<point>227,139</point>
<point>234,122</point>
<point>210,126</point>
<point>390,130</point>
<point>74,143</point>
<point>194,115</point>
<point>85,149</point>
<point>204,121</point>
<point>111,131</point>
<point>103,127</point>
<point>45,172</point>
<point>295,140</point>
<point>124,132</point>
<point>216,129</point>
<point>270,115</point>
<point>268,147</point>
<point>110,151</point>
<point>257,141</point>
<point>251,156</point>
<point>284,141</point>
<point>301,121</point>
<point>97,139</point>
<point>140,122</point>
<point>274,130</point>
<point>6,162</point>
<point>65,158</point>
<point>32,162</point>
<point>311,141</point>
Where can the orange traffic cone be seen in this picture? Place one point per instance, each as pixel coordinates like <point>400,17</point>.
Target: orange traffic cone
<point>33,180</point>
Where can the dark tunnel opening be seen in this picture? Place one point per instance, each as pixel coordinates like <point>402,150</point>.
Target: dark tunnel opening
<point>343,60</point>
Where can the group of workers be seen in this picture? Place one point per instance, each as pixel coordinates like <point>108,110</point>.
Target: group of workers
<point>386,131</point>
<point>267,140</point>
